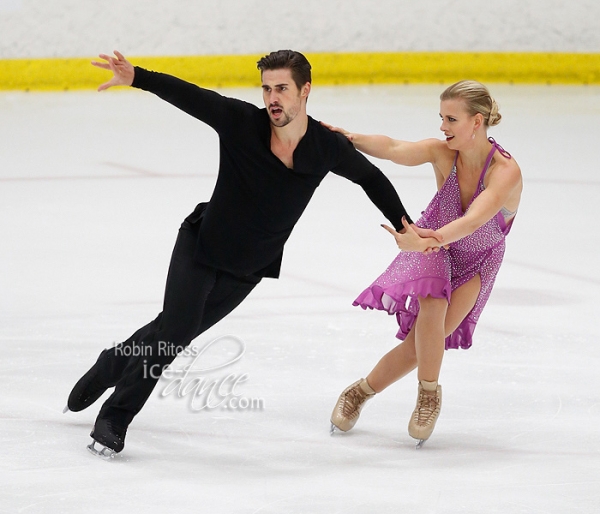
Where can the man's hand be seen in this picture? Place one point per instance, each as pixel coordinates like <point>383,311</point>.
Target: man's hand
<point>122,69</point>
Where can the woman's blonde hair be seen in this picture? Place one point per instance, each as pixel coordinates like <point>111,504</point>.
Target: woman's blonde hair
<point>477,99</point>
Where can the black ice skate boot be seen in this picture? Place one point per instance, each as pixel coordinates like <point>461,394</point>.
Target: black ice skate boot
<point>92,385</point>
<point>108,434</point>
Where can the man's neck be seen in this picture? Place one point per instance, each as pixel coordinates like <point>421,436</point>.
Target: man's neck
<point>292,133</point>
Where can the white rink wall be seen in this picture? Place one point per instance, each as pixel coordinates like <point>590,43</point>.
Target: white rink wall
<point>70,28</point>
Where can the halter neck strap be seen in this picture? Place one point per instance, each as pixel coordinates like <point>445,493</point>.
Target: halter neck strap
<point>495,146</point>
<point>502,151</point>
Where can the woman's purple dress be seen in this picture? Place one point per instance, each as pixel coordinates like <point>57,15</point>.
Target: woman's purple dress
<point>414,274</point>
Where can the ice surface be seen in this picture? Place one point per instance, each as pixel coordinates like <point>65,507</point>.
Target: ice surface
<point>93,188</point>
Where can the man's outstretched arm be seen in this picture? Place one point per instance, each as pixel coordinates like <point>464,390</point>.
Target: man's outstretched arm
<point>208,106</point>
<point>357,168</point>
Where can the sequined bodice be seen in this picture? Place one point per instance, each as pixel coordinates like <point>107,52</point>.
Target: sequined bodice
<point>446,207</point>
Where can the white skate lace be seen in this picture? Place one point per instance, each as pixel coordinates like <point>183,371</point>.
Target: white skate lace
<point>429,407</point>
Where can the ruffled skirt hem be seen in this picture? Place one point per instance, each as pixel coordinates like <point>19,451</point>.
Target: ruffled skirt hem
<point>401,299</point>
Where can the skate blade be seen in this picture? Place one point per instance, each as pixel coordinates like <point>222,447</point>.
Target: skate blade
<point>105,452</point>
<point>66,409</point>
<point>420,444</point>
<point>334,430</point>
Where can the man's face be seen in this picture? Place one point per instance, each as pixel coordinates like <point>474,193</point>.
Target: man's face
<point>282,97</point>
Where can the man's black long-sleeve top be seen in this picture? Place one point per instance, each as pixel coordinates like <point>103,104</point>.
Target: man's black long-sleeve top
<point>257,200</point>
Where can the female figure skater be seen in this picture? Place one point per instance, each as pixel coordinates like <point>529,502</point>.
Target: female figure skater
<point>438,290</point>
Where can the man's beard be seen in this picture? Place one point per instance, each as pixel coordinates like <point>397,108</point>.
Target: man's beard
<point>284,120</point>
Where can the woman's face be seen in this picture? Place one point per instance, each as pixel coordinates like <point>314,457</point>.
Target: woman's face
<point>457,124</point>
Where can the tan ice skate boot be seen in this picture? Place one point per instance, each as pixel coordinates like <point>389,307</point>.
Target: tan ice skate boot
<point>429,403</point>
<point>347,409</point>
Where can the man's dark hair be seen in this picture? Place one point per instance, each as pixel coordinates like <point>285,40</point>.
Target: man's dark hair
<point>287,60</point>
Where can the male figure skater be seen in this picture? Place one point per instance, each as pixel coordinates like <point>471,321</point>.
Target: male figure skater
<point>271,161</point>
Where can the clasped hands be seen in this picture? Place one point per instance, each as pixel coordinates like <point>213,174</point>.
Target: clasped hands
<point>417,239</point>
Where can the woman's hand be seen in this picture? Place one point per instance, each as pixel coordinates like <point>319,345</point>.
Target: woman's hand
<point>416,239</point>
<point>342,131</point>
<point>429,233</point>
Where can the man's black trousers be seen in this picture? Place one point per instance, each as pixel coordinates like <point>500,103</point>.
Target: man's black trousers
<point>196,297</point>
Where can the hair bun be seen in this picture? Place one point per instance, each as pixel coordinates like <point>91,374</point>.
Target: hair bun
<point>495,116</point>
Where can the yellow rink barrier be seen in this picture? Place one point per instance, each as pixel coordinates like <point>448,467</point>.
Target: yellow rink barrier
<point>328,69</point>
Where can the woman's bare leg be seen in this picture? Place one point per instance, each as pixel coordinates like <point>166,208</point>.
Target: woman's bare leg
<point>395,364</point>
<point>429,337</point>
<point>401,360</point>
